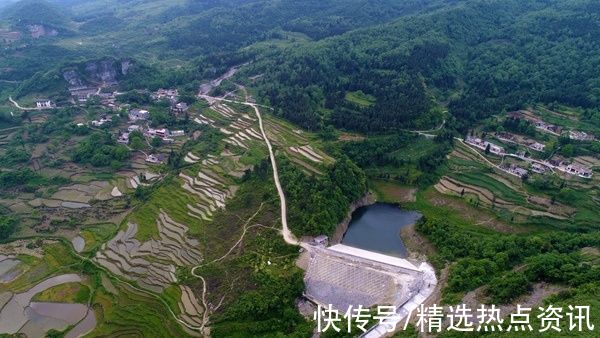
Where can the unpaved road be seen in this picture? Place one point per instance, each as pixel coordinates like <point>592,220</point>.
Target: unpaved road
<point>288,236</point>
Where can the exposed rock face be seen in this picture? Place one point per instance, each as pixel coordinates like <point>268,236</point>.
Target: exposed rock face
<point>125,65</point>
<point>72,77</point>
<point>103,71</point>
<point>106,72</point>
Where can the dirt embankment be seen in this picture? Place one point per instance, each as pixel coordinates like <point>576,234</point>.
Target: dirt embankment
<point>341,228</point>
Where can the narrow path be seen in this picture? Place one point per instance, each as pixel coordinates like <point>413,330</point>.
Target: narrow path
<point>288,236</point>
<point>205,316</point>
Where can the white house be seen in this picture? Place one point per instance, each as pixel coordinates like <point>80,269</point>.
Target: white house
<point>43,104</point>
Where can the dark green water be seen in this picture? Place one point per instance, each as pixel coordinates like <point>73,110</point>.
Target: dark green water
<point>377,228</point>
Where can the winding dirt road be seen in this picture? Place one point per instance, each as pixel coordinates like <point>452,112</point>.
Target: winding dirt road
<point>288,236</point>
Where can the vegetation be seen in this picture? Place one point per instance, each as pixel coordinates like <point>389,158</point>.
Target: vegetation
<point>551,257</point>
<point>101,150</point>
<point>318,204</point>
<point>28,180</point>
<point>8,225</point>
<point>371,80</point>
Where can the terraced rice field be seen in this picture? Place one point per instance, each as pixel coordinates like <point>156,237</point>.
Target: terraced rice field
<point>151,264</point>
<point>190,308</point>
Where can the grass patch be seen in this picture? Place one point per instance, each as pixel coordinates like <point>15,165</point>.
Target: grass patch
<point>65,293</point>
<point>254,154</point>
<point>391,192</point>
<point>360,98</point>
<point>174,200</point>
<point>97,234</point>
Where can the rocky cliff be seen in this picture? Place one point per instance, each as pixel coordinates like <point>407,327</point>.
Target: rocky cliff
<point>94,73</point>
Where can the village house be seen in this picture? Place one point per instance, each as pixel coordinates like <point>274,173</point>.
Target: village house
<point>538,168</point>
<point>536,146</point>
<point>123,138</point>
<point>557,161</point>
<point>156,159</point>
<point>517,171</point>
<point>481,144</point>
<point>549,128</point>
<point>168,94</point>
<point>43,104</point>
<point>138,115</point>
<point>579,170</point>
<point>162,133</point>
<point>176,133</point>
<point>180,108</point>
<point>580,136</point>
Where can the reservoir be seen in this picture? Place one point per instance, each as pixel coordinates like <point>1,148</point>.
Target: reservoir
<point>377,228</point>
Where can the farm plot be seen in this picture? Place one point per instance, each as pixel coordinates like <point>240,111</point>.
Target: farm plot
<point>21,315</point>
<point>211,188</point>
<point>190,309</point>
<point>151,264</point>
<point>490,194</point>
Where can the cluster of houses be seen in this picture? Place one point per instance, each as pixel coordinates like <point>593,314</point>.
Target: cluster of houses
<point>538,124</point>
<point>139,115</point>
<point>574,169</point>
<point>173,96</point>
<point>570,168</point>
<point>580,136</point>
<point>483,145</point>
<point>83,94</point>
<point>549,128</point>
<point>529,143</point>
<point>536,166</point>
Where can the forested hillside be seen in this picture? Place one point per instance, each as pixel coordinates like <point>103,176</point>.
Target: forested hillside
<point>477,57</point>
<point>204,36</point>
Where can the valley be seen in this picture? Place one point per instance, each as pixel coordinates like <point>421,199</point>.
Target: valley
<point>228,168</point>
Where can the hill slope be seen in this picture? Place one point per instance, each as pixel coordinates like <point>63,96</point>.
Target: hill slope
<point>478,57</point>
